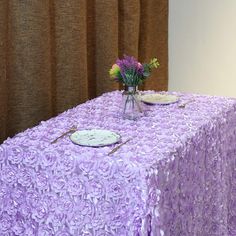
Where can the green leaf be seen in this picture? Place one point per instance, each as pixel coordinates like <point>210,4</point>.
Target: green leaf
<point>146,73</point>
<point>154,63</point>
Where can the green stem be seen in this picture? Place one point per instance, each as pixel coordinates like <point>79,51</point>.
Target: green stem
<point>138,105</point>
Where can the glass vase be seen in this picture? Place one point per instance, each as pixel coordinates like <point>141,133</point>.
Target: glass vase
<point>132,106</point>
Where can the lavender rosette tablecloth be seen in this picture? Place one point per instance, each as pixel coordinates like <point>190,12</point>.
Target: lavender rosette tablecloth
<point>175,177</point>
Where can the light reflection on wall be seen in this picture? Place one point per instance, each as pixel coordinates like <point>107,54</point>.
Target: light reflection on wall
<point>202,46</point>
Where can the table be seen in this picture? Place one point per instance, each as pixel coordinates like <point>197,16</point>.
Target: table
<point>177,175</point>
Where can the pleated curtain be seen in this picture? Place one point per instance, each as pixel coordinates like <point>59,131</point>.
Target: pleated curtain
<point>55,54</point>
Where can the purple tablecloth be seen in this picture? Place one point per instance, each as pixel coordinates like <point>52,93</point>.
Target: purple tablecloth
<point>176,177</point>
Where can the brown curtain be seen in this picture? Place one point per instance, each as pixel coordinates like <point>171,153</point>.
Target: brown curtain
<point>55,54</point>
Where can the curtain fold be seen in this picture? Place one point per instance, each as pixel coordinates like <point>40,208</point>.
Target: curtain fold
<point>106,28</point>
<point>154,40</point>
<point>29,67</point>
<point>3,68</point>
<point>129,25</point>
<point>70,53</point>
<point>56,54</point>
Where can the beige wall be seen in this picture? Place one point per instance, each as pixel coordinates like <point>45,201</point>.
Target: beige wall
<point>202,46</point>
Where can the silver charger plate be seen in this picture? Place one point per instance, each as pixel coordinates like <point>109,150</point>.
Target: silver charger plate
<point>95,138</point>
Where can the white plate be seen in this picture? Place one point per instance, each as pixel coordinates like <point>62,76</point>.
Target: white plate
<point>95,137</point>
<point>161,99</point>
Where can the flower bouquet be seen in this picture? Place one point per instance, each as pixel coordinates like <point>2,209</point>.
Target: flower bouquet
<point>131,73</point>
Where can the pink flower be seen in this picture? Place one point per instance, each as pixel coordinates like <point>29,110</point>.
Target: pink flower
<point>139,65</point>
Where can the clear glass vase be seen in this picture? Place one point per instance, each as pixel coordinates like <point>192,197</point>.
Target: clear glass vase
<point>132,106</point>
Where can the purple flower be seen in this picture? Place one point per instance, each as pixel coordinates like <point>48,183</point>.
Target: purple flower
<point>25,210</point>
<point>18,194</point>
<point>105,169</point>
<point>62,233</point>
<point>116,222</point>
<point>85,233</point>
<point>130,64</point>
<point>10,207</point>
<point>15,155</point>
<point>32,197</point>
<point>96,189</point>
<point>153,196</point>
<point>44,230</point>
<point>51,199</point>
<point>105,208</point>
<point>29,231</point>
<point>42,181</point>
<point>67,164</point>
<point>102,232</point>
<point>58,183</point>
<point>31,157</point>
<point>131,70</point>
<point>87,208</point>
<point>5,223</point>
<point>18,228</point>
<point>126,170</point>
<point>33,134</point>
<point>48,159</point>
<point>9,174</point>
<point>40,212</point>
<point>86,166</point>
<point>123,208</point>
<point>75,223</point>
<point>4,190</point>
<point>232,208</point>
<point>56,220</point>
<point>232,223</point>
<point>64,204</point>
<point>24,178</point>
<point>97,223</point>
<point>115,190</point>
<point>75,186</point>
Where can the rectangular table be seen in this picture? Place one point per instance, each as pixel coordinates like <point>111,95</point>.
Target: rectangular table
<point>176,177</point>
